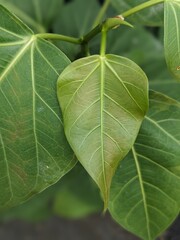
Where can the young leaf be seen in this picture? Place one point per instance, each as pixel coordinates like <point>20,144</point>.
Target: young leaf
<point>33,150</point>
<point>145,193</point>
<point>150,17</point>
<point>103,100</point>
<point>172,36</point>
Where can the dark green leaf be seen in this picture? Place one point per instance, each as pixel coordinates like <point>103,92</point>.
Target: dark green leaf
<point>152,16</point>
<point>75,23</point>
<point>37,14</point>
<point>145,193</point>
<point>103,100</point>
<point>33,150</point>
<point>172,36</point>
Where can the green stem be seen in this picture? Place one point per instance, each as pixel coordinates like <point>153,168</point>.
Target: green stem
<point>101,13</point>
<point>108,24</point>
<point>60,37</point>
<point>103,42</point>
<point>141,7</point>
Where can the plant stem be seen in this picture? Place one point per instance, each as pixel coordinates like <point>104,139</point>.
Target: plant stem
<point>59,37</point>
<point>141,7</point>
<point>101,13</point>
<point>103,42</point>
<point>108,24</point>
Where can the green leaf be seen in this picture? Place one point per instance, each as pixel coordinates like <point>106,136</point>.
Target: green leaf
<point>172,36</point>
<point>103,100</point>
<point>145,193</point>
<point>77,196</point>
<point>34,152</point>
<point>37,14</point>
<point>75,23</point>
<point>152,16</point>
<point>170,87</point>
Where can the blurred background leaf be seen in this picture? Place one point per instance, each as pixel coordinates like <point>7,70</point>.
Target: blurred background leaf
<point>149,17</point>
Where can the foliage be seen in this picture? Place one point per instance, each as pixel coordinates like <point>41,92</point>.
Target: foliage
<point>119,134</point>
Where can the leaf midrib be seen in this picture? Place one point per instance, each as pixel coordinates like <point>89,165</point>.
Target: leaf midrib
<point>142,191</point>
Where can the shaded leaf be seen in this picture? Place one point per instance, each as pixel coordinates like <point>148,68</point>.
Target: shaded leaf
<point>172,36</point>
<point>72,23</point>
<point>34,152</point>
<point>77,196</point>
<point>103,100</point>
<point>152,16</point>
<point>170,87</point>
<point>145,193</point>
<point>37,14</point>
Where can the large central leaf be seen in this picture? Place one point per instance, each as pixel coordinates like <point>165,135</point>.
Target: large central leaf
<point>33,150</point>
<point>145,193</point>
<point>103,100</point>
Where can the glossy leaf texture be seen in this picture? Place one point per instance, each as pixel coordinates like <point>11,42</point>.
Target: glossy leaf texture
<point>37,14</point>
<point>34,152</point>
<point>152,16</point>
<point>145,193</point>
<point>103,101</point>
<point>172,36</point>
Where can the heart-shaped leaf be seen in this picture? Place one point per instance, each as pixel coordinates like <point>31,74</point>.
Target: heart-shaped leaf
<point>145,193</point>
<point>33,150</point>
<point>172,36</point>
<point>103,100</point>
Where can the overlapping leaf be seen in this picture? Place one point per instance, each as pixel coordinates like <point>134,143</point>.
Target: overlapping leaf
<point>145,194</point>
<point>172,36</point>
<point>33,150</point>
<point>37,14</point>
<point>151,17</point>
<point>103,100</point>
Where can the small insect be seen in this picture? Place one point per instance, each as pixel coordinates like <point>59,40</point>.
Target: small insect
<point>178,68</point>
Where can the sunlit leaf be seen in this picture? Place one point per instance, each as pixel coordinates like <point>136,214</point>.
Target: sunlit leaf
<point>37,14</point>
<point>103,100</point>
<point>172,36</point>
<point>145,193</point>
<point>152,16</point>
<point>33,150</point>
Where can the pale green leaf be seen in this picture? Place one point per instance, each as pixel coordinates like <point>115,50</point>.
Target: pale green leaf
<point>172,36</point>
<point>37,14</point>
<point>33,150</point>
<point>145,193</point>
<point>103,100</point>
<point>152,16</point>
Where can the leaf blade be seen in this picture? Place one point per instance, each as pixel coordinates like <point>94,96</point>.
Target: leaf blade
<point>154,160</point>
<point>85,92</point>
<point>172,36</point>
<point>32,141</point>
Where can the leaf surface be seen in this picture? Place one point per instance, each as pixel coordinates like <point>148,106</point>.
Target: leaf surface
<point>37,14</point>
<point>145,193</point>
<point>34,152</point>
<point>103,100</point>
<point>172,36</point>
